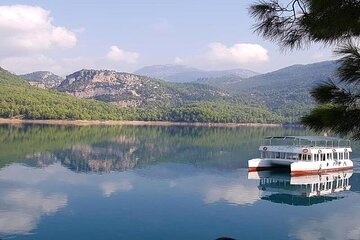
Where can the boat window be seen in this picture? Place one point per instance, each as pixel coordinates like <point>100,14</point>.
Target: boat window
<point>309,157</point>
<point>346,155</point>
<point>341,156</point>
<point>291,156</point>
<point>316,157</point>
<point>277,155</point>
<point>335,156</point>
<point>328,156</point>
<point>322,157</point>
<point>282,155</point>
<point>303,157</point>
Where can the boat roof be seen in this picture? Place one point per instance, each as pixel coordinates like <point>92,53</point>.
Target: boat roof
<point>317,141</point>
<point>309,138</point>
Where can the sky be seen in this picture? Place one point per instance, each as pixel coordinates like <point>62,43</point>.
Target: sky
<point>125,35</point>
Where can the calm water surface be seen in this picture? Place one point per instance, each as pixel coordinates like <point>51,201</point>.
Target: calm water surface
<point>162,183</point>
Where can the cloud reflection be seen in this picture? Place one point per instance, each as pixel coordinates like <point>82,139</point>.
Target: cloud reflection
<point>233,193</point>
<point>341,225</point>
<point>111,187</point>
<point>24,207</point>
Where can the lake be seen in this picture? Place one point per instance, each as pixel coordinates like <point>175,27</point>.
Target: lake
<point>131,182</point>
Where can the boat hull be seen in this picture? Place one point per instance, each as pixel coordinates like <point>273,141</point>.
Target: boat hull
<point>306,168</point>
<point>298,168</point>
<point>258,164</point>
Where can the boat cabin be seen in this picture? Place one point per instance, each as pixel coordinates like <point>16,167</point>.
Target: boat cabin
<point>305,148</point>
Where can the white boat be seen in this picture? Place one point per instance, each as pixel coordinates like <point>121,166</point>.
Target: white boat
<point>304,154</point>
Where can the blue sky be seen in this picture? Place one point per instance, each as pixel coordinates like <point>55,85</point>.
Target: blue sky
<point>126,35</point>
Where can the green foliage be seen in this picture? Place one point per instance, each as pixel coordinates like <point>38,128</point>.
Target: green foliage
<point>300,22</point>
<point>19,99</point>
<point>339,105</point>
<point>329,22</point>
<point>222,111</point>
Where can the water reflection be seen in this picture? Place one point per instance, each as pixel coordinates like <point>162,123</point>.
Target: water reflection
<point>103,149</point>
<point>159,183</point>
<point>110,187</point>
<point>339,224</point>
<point>232,193</point>
<point>22,208</point>
<point>281,187</point>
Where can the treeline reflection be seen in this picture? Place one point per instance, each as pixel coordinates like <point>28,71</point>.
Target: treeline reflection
<point>118,148</point>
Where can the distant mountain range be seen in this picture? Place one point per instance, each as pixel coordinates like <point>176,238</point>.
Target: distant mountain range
<point>43,79</point>
<point>182,73</point>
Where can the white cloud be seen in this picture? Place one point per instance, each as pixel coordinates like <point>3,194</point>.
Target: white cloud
<point>30,63</point>
<point>239,54</point>
<point>25,29</point>
<point>178,60</point>
<point>117,54</point>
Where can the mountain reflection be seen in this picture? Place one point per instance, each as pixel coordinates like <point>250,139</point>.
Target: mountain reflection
<point>119,148</point>
<point>307,190</point>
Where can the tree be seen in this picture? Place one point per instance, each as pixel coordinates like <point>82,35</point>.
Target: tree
<point>299,23</point>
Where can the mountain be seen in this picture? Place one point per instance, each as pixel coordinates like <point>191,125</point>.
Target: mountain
<point>220,82</point>
<point>19,99</point>
<point>182,73</point>
<point>42,79</point>
<point>146,99</point>
<point>285,91</point>
<point>130,90</point>
<point>161,100</point>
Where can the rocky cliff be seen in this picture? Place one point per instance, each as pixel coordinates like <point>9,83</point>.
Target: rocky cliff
<point>130,90</point>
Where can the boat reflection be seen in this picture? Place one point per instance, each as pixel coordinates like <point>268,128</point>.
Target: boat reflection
<point>281,187</point>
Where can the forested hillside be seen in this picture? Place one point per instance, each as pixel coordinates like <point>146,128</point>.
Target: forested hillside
<point>285,91</point>
<point>19,99</point>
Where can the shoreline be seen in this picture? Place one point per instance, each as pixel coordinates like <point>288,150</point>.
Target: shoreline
<point>10,121</point>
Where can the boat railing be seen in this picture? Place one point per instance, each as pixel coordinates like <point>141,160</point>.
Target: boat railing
<point>307,142</point>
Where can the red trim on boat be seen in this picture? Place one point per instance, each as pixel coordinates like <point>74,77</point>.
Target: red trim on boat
<point>254,169</point>
<point>310,172</point>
